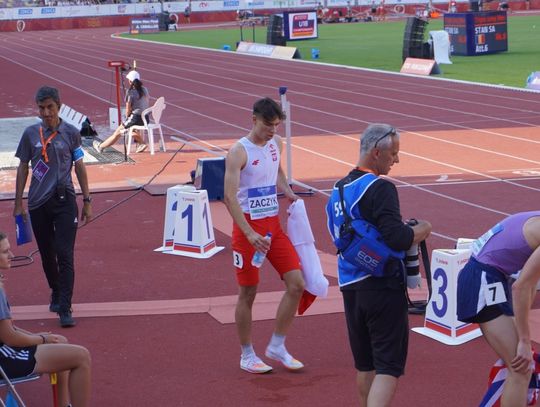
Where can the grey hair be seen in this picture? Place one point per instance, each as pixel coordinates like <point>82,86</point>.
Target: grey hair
<point>2,236</point>
<point>46,92</point>
<point>373,133</point>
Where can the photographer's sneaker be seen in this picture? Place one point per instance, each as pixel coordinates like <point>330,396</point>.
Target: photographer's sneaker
<point>253,364</point>
<point>141,147</point>
<point>281,355</point>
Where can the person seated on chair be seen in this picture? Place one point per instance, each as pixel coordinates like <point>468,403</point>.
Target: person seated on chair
<point>23,353</point>
<point>137,99</point>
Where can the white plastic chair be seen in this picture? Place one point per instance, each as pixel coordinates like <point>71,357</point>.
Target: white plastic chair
<point>65,112</point>
<point>155,112</point>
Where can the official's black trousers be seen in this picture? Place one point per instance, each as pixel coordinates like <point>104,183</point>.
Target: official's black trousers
<point>55,227</point>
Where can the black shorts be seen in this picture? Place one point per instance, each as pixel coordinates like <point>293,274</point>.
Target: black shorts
<point>378,325</point>
<point>18,362</point>
<point>134,120</point>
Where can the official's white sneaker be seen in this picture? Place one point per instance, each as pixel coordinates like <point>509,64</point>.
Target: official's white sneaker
<point>281,355</point>
<point>97,146</point>
<point>253,364</point>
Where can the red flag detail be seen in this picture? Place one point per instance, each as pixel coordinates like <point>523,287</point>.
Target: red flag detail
<point>306,300</point>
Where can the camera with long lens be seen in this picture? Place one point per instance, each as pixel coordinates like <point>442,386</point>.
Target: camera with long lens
<point>412,261</point>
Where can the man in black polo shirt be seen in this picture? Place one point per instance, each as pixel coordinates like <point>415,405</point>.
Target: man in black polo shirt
<point>376,307</point>
<point>53,147</point>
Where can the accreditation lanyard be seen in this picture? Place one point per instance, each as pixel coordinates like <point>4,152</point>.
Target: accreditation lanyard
<point>364,169</point>
<point>45,143</point>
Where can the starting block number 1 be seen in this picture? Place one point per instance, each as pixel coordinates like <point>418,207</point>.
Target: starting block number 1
<point>188,227</point>
<point>188,215</point>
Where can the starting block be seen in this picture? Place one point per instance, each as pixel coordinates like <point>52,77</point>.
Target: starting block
<point>210,175</point>
<point>188,229</point>
<point>464,243</point>
<point>441,321</point>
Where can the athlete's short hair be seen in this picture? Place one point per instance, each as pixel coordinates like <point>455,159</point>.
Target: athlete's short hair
<point>268,109</point>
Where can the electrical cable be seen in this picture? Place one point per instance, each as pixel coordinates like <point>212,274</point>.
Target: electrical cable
<point>29,259</point>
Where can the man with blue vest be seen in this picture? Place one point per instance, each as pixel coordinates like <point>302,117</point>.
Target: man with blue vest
<point>372,281</point>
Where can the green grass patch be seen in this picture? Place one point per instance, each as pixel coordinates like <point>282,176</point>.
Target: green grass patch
<point>379,46</point>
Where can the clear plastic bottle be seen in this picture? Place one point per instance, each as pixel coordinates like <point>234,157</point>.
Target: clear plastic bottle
<point>258,257</point>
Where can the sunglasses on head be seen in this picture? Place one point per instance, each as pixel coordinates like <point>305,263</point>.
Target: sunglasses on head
<point>392,131</point>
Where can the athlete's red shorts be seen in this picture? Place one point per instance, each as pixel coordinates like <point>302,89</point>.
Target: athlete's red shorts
<point>281,254</point>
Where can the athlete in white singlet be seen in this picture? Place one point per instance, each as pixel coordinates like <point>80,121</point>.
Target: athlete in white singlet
<point>252,175</point>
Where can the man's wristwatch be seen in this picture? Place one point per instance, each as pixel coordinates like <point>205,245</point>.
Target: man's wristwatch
<point>87,199</point>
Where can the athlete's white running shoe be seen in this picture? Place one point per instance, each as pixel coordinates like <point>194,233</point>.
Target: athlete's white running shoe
<point>281,355</point>
<point>253,364</point>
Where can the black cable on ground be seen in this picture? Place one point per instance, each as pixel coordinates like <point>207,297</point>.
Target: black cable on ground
<point>29,259</point>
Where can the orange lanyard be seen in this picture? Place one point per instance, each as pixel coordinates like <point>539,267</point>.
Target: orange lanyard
<point>364,169</point>
<point>45,143</point>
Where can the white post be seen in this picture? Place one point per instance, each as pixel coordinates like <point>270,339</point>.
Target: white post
<point>286,107</point>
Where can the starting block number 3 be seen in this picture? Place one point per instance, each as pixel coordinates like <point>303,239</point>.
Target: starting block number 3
<point>441,321</point>
<point>439,300</point>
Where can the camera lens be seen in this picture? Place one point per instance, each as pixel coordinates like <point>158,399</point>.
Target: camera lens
<point>412,262</point>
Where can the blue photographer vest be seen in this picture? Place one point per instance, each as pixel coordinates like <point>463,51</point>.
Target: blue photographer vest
<point>362,253</point>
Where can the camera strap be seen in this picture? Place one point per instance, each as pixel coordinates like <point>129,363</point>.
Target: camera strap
<point>419,307</point>
<point>346,216</point>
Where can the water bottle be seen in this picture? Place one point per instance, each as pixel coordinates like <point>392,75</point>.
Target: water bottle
<point>258,257</point>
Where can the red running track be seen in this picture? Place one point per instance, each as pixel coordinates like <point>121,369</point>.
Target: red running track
<point>469,157</point>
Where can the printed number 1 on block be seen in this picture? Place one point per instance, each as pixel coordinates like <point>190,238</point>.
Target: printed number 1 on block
<point>188,213</point>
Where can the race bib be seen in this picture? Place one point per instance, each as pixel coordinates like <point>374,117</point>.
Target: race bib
<point>479,243</point>
<point>40,170</point>
<point>262,202</point>
<point>494,293</point>
<point>238,259</point>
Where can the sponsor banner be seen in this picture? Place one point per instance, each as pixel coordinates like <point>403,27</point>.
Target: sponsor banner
<point>255,49</point>
<point>178,7</point>
<point>143,25</point>
<point>75,11</point>
<point>48,10</point>
<point>231,4</point>
<point>205,6</point>
<point>417,66</point>
<point>25,12</point>
<point>7,14</point>
<point>272,51</point>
